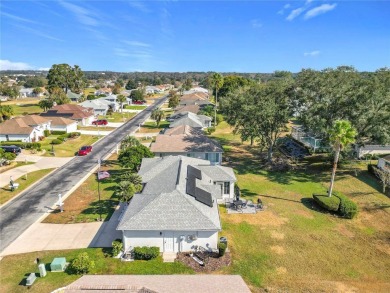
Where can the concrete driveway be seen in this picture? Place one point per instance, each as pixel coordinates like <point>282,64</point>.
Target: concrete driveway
<point>42,236</point>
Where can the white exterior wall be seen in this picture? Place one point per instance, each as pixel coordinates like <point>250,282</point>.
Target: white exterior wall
<point>382,164</point>
<point>194,155</point>
<point>22,137</point>
<point>68,128</point>
<point>170,241</point>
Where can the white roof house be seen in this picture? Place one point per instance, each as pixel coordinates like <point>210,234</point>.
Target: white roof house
<point>190,119</point>
<point>100,107</point>
<point>177,207</point>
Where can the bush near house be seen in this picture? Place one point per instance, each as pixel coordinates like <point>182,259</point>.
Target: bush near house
<point>117,246</point>
<point>221,248</point>
<point>46,132</point>
<point>146,253</point>
<point>56,141</point>
<point>23,145</point>
<point>58,132</point>
<point>81,264</point>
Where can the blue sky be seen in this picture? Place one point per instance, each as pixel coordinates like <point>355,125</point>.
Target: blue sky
<point>222,36</point>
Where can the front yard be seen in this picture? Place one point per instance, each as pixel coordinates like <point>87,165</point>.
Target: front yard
<point>67,148</point>
<point>118,117</point>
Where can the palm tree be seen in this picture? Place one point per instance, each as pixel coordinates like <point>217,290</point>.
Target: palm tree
<point>341,135</point>
<point>158,115</point>
<point>216,82</point>
<point>125,190</point>
<point>129,141</point>
<point>121,99</point>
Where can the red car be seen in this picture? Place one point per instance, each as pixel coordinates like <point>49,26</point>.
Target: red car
<point>139,102</point>
<point>100,122</point>
<point>85,150</point>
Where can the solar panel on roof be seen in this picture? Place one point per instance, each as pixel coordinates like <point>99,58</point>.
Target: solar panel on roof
<point>203,196</point>
<point>191,171</point>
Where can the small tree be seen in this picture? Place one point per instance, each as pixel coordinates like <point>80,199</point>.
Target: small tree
<point>129,141</point>
<point>82,264</point>
<point>158,115</point>
<point>137,95</point>
<point>131,158</point>
<point>45,104</point>
<point>125,191</point>
<point>173,101</point>
<point>121,99</point>
<point>341,135</point>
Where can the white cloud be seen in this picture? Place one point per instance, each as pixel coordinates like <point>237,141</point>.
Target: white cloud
<point>286,6</point>
<point>17,18</point>
<point>319,10</point>
<point>139,6</point>
<point>83,15</point>
<point>256,23</point>
<point>136,44</point>
<point>311,54</point>
<point>38,33</point>
<point>294,13</point>
<point>9,65</point>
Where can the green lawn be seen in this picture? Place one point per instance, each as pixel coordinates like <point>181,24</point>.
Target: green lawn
<point>293,246</point>
<point>148,127</point>
<point>83,206</point>
<point>6,194</point>
<point>96,128</point>
<point>13,269</point>
<point>118,117</point>
<point>67,148</point>
<point>135,107</point>
<point>24,106</point>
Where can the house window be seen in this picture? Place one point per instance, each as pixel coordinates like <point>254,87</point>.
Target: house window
<point>226,188</point>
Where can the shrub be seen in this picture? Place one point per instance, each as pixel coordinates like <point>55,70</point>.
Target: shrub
<point>56,141</point>
<point>117,246</point>
<point>32,145</point>
<point>370,169</point>
<point>329,203</point>
<point>81,264</point>
<point>210,130</point>
<point>219,118</point>
<point>9,156</point>
<point>74,134</point>
<point>17,143</point>
<point>347,209</point>
<point>146,253</point>
<point>46,132</point>
<point>221,248</point>
<point>58,132</point>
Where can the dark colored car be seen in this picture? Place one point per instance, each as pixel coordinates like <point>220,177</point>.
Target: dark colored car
<point>139,102</point>
<point>84,150</point>
<point>100,122</point>
<point>12,149</point>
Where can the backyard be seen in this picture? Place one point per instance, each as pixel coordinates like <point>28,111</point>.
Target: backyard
<point>294,246</point>
<point>24,106</point>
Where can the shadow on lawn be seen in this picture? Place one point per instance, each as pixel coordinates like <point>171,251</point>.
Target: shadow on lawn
<point>107,208</point>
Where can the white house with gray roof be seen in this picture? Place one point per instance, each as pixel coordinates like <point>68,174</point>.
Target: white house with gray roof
<point>177,208</point>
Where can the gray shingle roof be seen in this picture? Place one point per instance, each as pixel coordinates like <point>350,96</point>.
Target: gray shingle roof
<point>218,173</point>
<point>164,203</point>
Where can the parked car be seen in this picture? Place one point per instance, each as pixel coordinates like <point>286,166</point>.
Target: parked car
<point>12,149</point>
<point>139,102</point>
<point>85,150</point>
<point>100,122</point>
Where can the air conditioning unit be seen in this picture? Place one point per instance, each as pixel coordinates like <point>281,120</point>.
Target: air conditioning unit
<point>192,237</point>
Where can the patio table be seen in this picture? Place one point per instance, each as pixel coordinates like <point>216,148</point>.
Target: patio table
<point>237,203</point>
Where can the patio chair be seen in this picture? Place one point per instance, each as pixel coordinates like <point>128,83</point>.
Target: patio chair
<point>244,204</point>
<point>259,204</point>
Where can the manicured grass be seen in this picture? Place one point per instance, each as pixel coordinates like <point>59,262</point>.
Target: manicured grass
<point>293,245</point>
<point>14,268</point>
<point>89,91</point>
<point>118,117</point>
<point>149,127</point>
<point>135,107</point>
<point>24,106</point>
<point>69,147</point>
<point>6,194</point>
<point>82,206</point>
<point>96,128</point>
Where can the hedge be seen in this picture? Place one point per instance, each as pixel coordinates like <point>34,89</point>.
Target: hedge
<point>58,132</point>
<point>329,203</point>
<point>46,132</point>
<point>347,209</point>
<point>146,252</point>
<point>56,141</point>
<point>23,145</point>
<point>117,247</point>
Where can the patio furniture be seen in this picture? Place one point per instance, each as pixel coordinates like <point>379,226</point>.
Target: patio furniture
<point>259,204</point>
<point>237,204</point>
<point>244,204</point>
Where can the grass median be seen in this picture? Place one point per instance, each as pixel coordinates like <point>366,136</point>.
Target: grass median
<point>6,194</point>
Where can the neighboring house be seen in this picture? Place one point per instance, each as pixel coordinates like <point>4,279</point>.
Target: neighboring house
<point>372,150</point>
<point>73,96</point>
<point>384,163</point>
<point>190,108</point>
<point>27,128</point>
<point>112,99</point>
<point>63,124</point>
<point>190,119</point>
<point>84,116</point>
<point>177,208</point>
<point>200,283</point>
<point>187,141</point>
<point>151,89</point>
<point>195,98</point>
<point>196,89</point>
<point>100,107</point>
<point>103,91</point>
<point>29,93</point>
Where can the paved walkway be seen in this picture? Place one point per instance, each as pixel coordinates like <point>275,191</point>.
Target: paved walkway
<point>40,163</point>
<point>95,132</point>
<point>42,236</point>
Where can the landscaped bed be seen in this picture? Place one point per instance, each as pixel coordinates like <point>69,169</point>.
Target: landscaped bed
<point>214,262</point>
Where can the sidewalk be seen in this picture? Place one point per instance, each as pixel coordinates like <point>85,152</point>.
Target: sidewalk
<point>42,236</point>
<point>40,163</point>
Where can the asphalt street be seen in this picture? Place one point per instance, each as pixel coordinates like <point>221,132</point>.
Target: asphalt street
<point>19,214</point>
